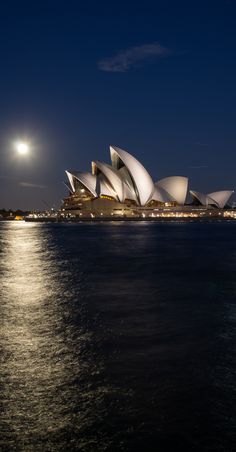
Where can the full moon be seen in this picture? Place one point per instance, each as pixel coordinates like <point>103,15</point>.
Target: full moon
<point>22,148</point>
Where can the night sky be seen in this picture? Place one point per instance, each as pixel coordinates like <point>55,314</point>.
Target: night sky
<point>157,79</point>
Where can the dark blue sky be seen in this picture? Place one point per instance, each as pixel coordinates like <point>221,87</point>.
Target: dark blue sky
<point>155,78</point>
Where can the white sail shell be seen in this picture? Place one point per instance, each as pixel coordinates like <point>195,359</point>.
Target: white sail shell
<point>88,180</point>
<point>221,197</point>
<point>136,174</point>
<point>175,186</point>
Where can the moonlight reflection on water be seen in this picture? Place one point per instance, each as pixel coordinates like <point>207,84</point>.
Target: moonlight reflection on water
<point>46,358</point>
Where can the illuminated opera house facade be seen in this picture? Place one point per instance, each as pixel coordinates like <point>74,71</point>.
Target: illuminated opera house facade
<point>125,188</point>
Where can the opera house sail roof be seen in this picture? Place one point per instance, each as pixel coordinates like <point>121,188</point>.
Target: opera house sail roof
<point>134,174</point>
<point>126,180</point>
<point>217,199</point>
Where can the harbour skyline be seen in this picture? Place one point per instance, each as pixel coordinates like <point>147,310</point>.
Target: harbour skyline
<point>124,187</point>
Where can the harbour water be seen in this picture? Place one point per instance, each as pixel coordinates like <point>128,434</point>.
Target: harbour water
<point>118,336</point>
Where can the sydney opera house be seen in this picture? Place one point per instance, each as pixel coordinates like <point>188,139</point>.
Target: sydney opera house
<point>125,188</point>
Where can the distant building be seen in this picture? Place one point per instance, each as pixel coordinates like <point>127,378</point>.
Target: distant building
<point>126,188</point>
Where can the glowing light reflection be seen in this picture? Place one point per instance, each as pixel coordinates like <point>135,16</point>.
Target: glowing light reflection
<point>39,362</point>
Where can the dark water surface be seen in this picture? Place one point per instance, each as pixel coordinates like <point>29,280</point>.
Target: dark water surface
<point>118,336</point>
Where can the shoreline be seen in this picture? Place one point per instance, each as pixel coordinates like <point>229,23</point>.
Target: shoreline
<point>125,220</point>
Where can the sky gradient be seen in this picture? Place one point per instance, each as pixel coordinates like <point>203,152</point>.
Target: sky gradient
<point>156,79</point>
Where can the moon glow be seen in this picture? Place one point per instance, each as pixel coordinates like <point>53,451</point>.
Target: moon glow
<point>22,148</point>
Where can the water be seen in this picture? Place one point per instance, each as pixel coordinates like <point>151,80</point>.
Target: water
<point>118,336</point>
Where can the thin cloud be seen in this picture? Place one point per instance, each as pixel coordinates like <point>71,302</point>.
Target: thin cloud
<point>199,166</point>
<point>133,57</point>
<point>29,185</point>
